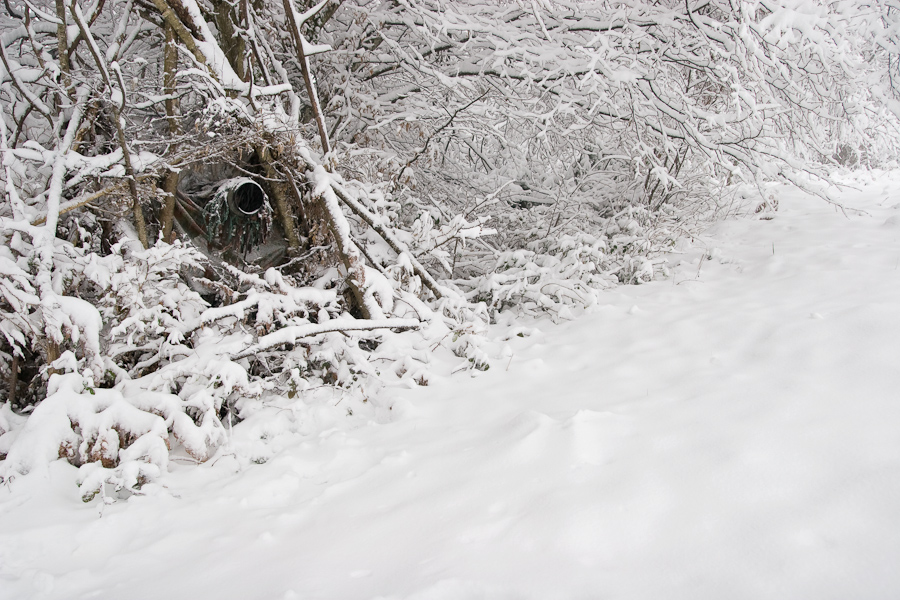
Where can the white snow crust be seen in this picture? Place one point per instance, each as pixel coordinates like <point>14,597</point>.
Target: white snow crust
<point>732,432</point>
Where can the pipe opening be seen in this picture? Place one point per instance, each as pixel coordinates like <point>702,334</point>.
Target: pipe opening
<point>247,198</point>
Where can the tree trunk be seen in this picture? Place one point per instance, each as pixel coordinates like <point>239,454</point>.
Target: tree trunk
<point>62,45</point>
<point>13,379</point>
<point>170,182</point>
<point>232,43</point>
<point>278,189</point>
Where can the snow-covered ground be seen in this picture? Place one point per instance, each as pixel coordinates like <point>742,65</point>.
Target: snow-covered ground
<point>733,432</point>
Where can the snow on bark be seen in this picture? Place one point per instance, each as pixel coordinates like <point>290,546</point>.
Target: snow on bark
<point>323,188</point>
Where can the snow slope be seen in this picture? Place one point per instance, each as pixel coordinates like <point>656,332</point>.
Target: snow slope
<point>733,432</point>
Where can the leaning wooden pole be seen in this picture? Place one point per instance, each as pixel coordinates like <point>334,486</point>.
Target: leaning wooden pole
<point>299,43</point>
<point>395,244</point>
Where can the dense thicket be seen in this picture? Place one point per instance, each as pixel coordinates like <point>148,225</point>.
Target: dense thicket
<point>209,204</point>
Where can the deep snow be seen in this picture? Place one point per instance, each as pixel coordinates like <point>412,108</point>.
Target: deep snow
<point>732,432</point>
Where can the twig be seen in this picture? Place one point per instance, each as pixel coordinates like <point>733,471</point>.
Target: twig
<point>10,10</point>
<point>439,129</point>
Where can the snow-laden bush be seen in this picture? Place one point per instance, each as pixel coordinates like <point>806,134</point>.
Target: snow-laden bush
<point>47,296</point>
<point>163,370</point>
<point>112,321</point>
<point>568,273</point>
<point>111,439</point>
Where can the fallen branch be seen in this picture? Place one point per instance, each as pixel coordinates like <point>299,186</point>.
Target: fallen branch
<point>290,335</point>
